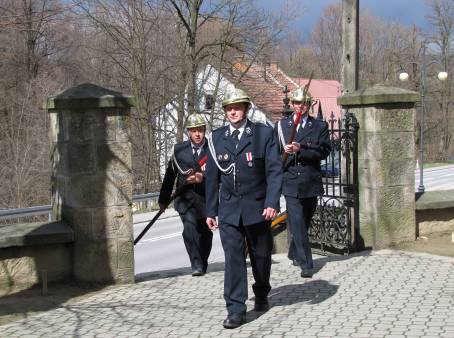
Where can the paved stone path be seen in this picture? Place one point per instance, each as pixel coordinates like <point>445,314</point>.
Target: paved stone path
<point>374,294</point>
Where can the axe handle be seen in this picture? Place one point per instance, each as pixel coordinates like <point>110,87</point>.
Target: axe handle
<point>177,192</point>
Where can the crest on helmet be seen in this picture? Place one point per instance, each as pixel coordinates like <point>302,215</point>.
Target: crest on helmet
<point>298,95</point>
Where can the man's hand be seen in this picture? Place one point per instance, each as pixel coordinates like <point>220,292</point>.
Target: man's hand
<point>212,224</point>
<point>195,178</point>
<point>292,148</point>
<point>198,177</point>
<point>162,207</point>
<point>269,213</point>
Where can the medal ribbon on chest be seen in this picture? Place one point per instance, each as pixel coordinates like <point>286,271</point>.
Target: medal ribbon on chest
<point>202,162</point>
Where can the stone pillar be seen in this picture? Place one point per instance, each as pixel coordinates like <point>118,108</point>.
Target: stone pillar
<point>92,180</point>
<point>386,163</point>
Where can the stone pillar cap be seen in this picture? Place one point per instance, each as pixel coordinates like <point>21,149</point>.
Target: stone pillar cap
<point>88,95</point>
<point>378,94</point>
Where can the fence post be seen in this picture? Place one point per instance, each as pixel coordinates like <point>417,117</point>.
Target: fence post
<point>386,153</point>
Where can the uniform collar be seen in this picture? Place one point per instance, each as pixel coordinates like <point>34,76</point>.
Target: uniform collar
<point>240,129</point>
<point>197,146</point>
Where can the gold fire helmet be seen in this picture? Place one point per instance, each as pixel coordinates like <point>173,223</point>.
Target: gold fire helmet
<point>236,96</point>
<point>195,120</point>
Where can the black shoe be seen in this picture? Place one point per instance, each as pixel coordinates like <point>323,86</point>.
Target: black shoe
<point>197,272</point>
<point>307,273</point>
<point>234,320</point>
<point>261,305</point>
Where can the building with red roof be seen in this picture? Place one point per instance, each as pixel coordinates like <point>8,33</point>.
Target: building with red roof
<point>265,84</point>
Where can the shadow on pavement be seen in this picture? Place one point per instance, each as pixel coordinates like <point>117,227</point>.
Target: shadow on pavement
<point>160,274</point>
<point>319,263</point>
<point>155,275</point>
<point>22,303</point>
<point>311,292</point>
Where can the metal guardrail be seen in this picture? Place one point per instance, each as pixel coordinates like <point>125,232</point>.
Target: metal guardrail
<point>24,212</point>
<point>145,197</point>
<point>47,209</point>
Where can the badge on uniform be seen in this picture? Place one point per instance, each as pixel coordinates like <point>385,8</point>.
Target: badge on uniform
<point>226,157</point>
<point>226,133</point>
<point>219,157</point>
<point>249,158</point>
<point>290,122</point>
<point>309,124</point>
<point>248,130</point>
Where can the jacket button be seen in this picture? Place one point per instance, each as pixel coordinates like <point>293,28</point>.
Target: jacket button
<point>238,170</point>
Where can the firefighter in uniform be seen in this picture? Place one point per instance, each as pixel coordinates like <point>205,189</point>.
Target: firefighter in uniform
<point>243,187</point>
<point>302,175</point>
<point>187,167</point>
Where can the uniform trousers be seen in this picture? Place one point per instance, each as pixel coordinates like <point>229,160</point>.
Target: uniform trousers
<point>197,238</point>
<point>260,244</point>
<point>299,213</point>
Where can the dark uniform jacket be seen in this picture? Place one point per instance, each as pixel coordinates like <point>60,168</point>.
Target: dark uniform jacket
<point>302,174</point>
<point>258,175</point>
<point>193,194</point>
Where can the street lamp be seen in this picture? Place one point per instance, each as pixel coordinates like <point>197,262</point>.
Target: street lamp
<point>403,76</point>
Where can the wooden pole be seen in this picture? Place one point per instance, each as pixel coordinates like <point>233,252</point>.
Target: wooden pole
<point>350,45</point>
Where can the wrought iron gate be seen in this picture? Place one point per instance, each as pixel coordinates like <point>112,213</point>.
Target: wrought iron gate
<point>335,225</point>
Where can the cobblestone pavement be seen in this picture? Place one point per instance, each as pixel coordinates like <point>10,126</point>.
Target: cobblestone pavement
<point>374,294</point>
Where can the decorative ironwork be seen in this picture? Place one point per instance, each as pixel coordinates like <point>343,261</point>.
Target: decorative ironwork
<point>335,225</point>
<point>287,109</point>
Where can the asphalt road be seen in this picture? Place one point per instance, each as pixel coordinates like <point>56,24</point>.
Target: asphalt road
<point>438,178</point>
<point>162,248</point>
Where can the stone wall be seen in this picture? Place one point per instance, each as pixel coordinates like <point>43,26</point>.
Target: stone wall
<point>434,212</point>
<point>434,220</point>
<point>28,249</point>
<point>23,266</point>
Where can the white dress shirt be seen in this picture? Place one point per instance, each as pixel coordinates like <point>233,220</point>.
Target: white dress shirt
<point>240,129</point>
<point>196,151</point>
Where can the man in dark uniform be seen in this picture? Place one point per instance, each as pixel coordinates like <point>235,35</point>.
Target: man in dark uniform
<point>302,175</point>
<point>243,186</point>
<point>187,166</point>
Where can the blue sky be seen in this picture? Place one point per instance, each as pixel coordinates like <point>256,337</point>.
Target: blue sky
<point>405,12</point>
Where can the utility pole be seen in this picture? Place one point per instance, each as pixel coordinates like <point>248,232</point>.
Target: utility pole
<point>350,45</point>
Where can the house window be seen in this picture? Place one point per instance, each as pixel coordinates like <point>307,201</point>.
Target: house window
<point>209,101</point>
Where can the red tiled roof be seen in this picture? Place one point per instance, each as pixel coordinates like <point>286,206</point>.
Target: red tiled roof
<point>326,93</point>
<point>266,88</point>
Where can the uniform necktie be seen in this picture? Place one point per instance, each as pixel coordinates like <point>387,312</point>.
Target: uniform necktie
<point>235,134</point>
<point>196,152</point>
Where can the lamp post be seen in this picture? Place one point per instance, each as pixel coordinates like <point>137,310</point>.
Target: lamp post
<point>403,76</point>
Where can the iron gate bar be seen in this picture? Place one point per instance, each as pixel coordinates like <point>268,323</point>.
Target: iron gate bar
<point>337,210</point>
